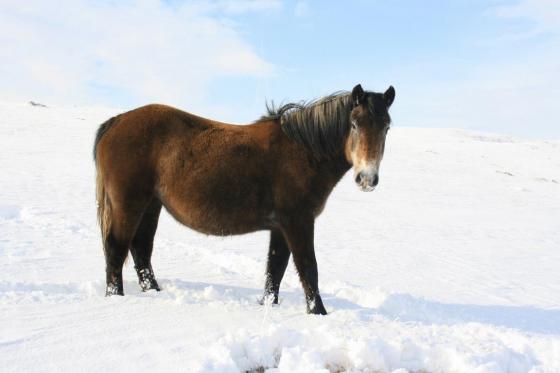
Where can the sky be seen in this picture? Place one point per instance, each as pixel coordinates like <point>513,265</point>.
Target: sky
<point>491,66</point>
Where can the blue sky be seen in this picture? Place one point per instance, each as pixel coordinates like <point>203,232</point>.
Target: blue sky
<point>485,65</point>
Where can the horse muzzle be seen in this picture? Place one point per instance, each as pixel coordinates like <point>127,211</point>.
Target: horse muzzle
<point>367,181</point>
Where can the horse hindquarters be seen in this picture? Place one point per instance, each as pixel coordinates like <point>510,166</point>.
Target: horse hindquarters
<point>126,215</point>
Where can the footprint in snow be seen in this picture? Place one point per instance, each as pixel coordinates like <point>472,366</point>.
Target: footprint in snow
<point>504,173</point>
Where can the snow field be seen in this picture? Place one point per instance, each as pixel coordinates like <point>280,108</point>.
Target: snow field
<point>450,266</point>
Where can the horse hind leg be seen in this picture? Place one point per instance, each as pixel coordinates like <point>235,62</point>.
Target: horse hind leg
<point>142,246</point>
<point>123,225</point>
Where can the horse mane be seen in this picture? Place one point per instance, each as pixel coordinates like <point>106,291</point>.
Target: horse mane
<point>320,125</point>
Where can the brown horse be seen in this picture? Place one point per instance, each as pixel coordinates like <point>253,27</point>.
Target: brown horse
<point>275,174</point>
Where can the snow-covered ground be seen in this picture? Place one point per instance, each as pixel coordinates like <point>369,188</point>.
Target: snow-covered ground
<point>451,265</point>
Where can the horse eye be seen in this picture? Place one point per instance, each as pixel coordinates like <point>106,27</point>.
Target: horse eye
<point>354,125</point>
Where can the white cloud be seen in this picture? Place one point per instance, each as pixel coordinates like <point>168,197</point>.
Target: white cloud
<point>243,6</point>
<point>545,13</point>
<point>301,9</point>
<point>143,50</point>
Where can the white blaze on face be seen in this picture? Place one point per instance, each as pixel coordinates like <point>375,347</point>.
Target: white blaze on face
<point>366,154</point>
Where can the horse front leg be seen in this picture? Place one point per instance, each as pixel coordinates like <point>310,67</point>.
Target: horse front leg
<point>278,257</point>
<point>299,233</point>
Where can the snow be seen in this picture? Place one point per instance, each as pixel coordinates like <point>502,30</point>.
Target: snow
<point>451,265</point>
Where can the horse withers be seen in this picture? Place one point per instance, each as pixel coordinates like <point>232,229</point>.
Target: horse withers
<point>221,179</point>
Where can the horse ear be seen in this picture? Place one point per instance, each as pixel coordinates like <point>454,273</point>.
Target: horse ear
<point>358,95</point>
<point>389,96</point>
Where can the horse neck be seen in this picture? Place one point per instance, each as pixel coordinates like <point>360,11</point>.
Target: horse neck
<point>334,167</point>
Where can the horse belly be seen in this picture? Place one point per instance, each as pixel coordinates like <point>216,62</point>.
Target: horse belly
<point>219,224</point>
<point>220,206</point>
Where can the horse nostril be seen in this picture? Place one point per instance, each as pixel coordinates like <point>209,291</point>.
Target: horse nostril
<point>375,180</point>
<point>359,178</point>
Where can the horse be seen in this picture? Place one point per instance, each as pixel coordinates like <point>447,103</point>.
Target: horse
<point>222,179</point>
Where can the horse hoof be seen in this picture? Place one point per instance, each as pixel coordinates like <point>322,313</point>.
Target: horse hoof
<point>317,309</point>
<point>268,299</point>
<point>152,285</point>
<point>147,280</point>
<point>149,284</point>
<point>113,289</point>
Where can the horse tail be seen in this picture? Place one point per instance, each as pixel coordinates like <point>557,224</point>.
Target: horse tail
<point>103,128</point>
<point>103,206</point>
<point>103,203</point>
